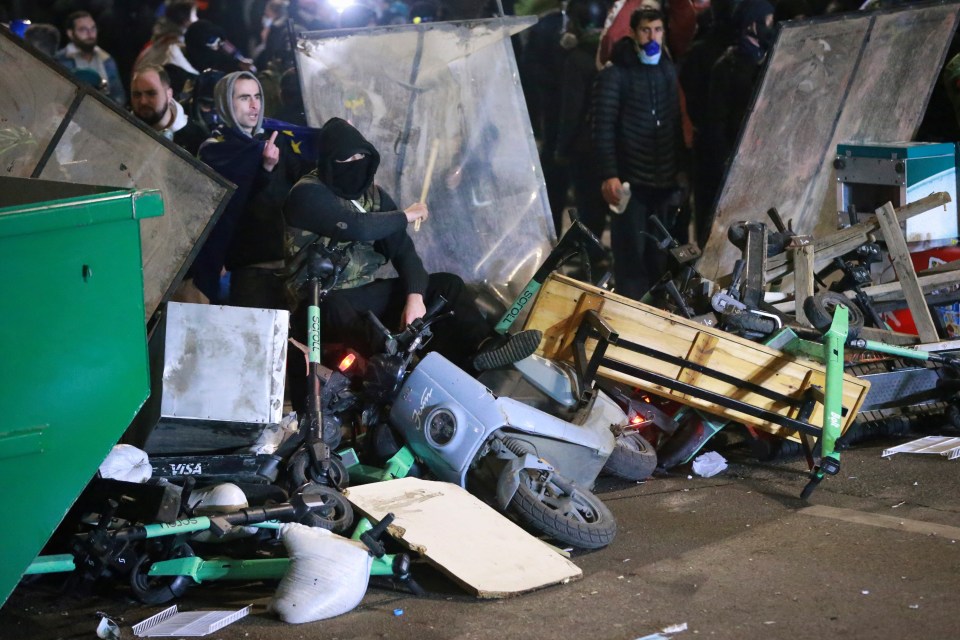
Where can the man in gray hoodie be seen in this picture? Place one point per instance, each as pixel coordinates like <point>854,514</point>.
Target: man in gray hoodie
<point>249,237</point>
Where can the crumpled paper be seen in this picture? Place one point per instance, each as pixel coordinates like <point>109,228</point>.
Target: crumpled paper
<point>709,464</point>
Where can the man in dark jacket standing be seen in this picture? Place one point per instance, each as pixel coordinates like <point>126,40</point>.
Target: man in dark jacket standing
<point>339,201</point>
<point>639,140</point>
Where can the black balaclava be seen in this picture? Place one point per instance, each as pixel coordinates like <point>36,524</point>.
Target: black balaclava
<point>339,140</point>
<point>750,12</point>
<point>204,43</point>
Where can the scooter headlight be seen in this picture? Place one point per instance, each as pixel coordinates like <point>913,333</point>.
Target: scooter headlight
<point>441,427</point>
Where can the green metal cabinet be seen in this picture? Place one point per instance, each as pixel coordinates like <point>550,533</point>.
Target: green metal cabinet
<point>73,354</point>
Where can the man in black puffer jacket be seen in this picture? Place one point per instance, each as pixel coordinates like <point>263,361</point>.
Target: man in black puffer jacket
<point>639,140</point>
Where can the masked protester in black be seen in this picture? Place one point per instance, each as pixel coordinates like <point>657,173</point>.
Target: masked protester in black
<point>732,81</point>
<point>342,190</point>
<point>737,71</point>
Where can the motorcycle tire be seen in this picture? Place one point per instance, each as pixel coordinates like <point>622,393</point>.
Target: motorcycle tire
<point>159,589</point>
<point>633,458</point>
<point>301,472</point>
<point>335,515</point>
<point>820,307</point>
<point>580,520</point>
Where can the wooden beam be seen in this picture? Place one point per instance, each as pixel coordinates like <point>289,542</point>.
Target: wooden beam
<point>890,337</point>
<point>803,261</point>
<point>888,291</point>
<point>701,350</point>
<point>941,268</point>
<point>825,250</point>
<point>892,290</point>
<point>903,265</point>
<point>848,239</point>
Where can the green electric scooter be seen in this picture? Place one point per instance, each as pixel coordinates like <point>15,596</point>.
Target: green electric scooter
<point>843,332</point>
<point>393,566</point>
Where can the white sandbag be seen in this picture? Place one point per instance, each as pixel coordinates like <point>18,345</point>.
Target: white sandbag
<point>328,575</point>
<point>126,462</point>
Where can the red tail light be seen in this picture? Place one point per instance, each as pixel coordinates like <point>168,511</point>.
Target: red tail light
<point>347,362</point>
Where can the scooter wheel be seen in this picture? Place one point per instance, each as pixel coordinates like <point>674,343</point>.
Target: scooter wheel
<point>579,518</point>
<point>633,458</point>
<point>336,513</point>
<point>159,589</point>
<point>302,472</point>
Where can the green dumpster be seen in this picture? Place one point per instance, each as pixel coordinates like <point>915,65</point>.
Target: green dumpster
<point>73,355</point>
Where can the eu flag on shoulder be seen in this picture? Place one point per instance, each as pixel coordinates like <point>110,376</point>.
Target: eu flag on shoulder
<point>303,140</point>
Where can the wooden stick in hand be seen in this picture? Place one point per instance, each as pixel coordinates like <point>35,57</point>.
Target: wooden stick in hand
<point>431,162</point>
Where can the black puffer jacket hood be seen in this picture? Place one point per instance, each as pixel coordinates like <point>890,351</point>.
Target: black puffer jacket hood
<point>624,53</point>
<point>338,140</point>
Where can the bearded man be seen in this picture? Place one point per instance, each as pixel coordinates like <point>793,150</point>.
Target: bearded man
<point>151,100</point>
<point>82,52</point>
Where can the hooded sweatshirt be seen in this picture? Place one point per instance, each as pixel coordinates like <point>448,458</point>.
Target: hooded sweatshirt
<point>250,231</point>
<point>223,99</point>
<point>337,193</point>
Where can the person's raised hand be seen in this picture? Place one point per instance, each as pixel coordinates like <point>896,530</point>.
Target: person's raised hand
<point>416,212</point>
<point>271,153</point>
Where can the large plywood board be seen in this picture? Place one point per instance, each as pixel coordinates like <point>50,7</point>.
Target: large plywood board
<point>827,82</point>
<point>710,347</point>
<point>479,548</point>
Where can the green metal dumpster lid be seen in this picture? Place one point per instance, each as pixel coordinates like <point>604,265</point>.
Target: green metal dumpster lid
<point>80,205</point>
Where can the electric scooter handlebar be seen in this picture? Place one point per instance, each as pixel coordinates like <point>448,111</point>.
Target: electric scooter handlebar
<point>410,338</point>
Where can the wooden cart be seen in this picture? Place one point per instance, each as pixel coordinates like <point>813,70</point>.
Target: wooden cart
<point>711,360</point>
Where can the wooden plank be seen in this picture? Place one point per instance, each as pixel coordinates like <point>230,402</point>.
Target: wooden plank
<point>701,350</point>
<point>946,345</point>
<point>888,291</point>
<point>915,208</point>
<point>940,268</point>
<point>842,241</point>
<point>562,349</point>
<point>480,549</point>
<point>890,337</point>
<point>826,249</point>
<point>894,291</point>
<point>803,259</point>
<point>674,335</point>
<point>903,265</point>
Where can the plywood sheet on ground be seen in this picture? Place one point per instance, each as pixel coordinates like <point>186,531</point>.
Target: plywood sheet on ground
<point>480,549</point>
<point>827,82</point>
<point>676,336</point>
